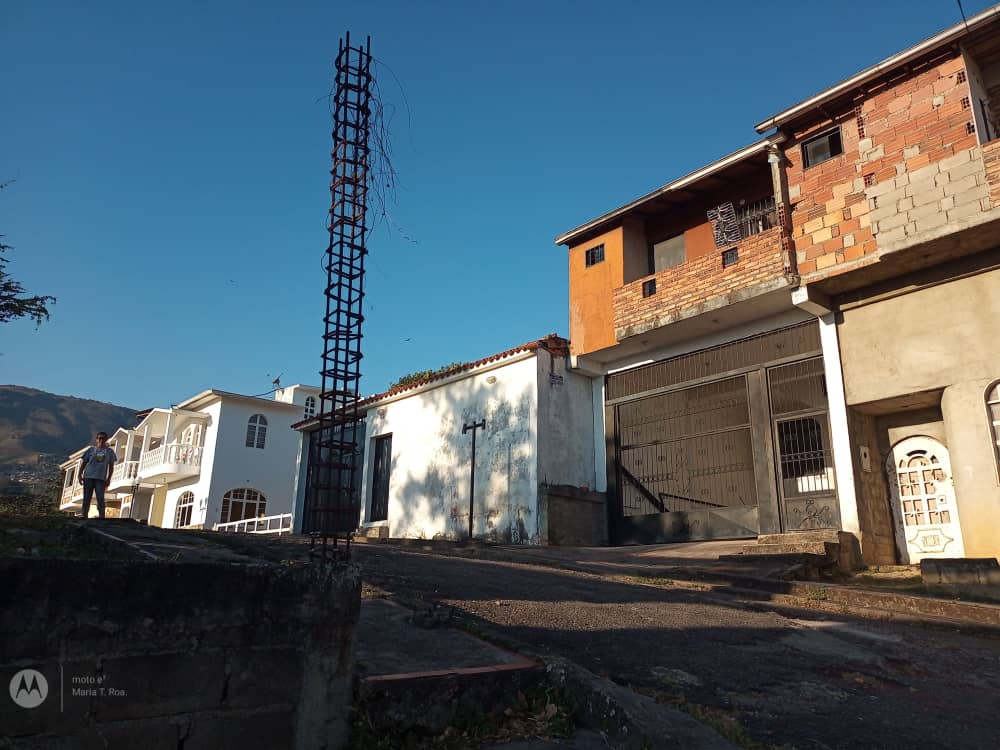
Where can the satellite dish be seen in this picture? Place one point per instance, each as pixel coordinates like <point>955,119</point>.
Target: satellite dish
<point>277,381</point>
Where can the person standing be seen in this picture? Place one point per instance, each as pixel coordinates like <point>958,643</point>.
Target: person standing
<point>96,465</point>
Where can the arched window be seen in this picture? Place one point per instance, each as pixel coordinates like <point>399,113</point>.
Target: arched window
<point>310,410</point>
<point>242,503</point>
<point>993,410</point>
<point>185,504</point>
<point>256,431</point>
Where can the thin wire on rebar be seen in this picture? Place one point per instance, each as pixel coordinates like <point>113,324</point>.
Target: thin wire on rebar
<point>332,496</point>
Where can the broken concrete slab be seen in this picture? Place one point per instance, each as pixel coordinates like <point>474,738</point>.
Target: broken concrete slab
<point>628,719</point>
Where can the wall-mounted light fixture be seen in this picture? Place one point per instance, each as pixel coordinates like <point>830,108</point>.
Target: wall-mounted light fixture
<point>491,379</point>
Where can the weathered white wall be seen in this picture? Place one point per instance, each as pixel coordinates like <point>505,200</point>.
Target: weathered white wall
<point>565,424</point>
<point>429,478</point>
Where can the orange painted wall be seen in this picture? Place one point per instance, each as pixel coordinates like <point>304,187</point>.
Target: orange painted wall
<point>699,241</point>
<point>591,316</point>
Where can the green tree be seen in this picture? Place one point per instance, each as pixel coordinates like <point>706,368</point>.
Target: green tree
<point>14,301</point>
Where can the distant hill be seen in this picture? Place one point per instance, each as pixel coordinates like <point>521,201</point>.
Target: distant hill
<point>39,428</point>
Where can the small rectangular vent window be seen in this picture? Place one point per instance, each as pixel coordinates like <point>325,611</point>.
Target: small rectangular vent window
<point>595,255</point>
<point>821,148</point>
<point>730,257</point>
<point>649,288</point>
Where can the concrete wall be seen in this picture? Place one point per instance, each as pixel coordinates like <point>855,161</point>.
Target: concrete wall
<point>938,338</point>
<point>178,655</point>
<point>573,517</point>
<point>973,466</point>
<point>431,458</point>
<point>921,341</point>
<point>565,424</point>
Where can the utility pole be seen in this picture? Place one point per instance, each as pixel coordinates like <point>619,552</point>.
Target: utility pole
<point>480,425</point>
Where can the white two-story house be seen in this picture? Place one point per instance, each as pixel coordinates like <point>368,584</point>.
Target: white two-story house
<point>215,458</point>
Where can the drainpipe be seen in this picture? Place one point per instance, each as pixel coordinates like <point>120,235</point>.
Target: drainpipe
<point>783,205</point>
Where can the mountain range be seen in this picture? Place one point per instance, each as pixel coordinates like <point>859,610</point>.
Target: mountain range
<point>39,430</point>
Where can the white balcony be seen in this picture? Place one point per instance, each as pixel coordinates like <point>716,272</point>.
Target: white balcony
<point>170,462</point>
<point>124,476</point>
<point>71,498</point>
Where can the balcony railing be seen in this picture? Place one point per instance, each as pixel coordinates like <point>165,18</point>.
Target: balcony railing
<point>264,525</point>
<point>173,458</point>
<point>125,473</point>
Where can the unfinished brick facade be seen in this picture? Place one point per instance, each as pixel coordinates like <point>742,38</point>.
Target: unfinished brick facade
<point>911,164</point>
<point>991,162</point>
<point>696,282</point>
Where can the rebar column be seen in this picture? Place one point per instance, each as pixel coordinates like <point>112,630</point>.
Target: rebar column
<point>332,501</point>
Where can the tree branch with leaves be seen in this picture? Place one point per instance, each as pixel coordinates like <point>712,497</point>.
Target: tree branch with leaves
<point>15,302</point>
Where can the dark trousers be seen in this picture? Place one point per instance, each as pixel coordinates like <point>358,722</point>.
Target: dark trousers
<point>92,487</point>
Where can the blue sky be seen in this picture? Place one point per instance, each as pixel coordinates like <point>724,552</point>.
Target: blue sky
<point>171,167</point>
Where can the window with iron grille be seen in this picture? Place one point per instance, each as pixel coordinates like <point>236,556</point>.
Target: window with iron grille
<point>730,257</point>
<point>595,255</point>
<point>755,217</point>
<point>649,288</point>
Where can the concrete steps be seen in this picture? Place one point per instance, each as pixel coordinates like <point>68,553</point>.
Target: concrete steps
<point>809,554</point>
<point>821,549</point>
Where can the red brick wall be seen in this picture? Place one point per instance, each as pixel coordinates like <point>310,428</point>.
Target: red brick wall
<point>698,280</point>
<point>908,128</point>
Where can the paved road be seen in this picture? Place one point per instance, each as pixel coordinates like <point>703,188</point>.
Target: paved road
<point>792,681</point>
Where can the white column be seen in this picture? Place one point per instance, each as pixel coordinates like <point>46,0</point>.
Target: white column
<point>129,443</point>
<point>843,458</point>
<point>170,427</point>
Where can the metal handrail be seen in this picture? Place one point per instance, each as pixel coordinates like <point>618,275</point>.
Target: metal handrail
<point>279,524</point>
